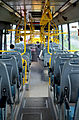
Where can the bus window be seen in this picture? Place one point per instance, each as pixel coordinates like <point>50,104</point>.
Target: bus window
<point>13,34</point>
<point>74,36</point>
<point>3,40</point>
<point>60,37</point>
<point>65,37</point>
<point>8,40</point>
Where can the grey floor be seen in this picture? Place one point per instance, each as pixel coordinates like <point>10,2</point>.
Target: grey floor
<point>38,82</point>
<point>36,103</point>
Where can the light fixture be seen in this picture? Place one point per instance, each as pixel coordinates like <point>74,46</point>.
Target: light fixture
<point>0,1</point>
<point>6,6</point>
<point>56,14</point>
<point>65,7</point>
<point>17,14</point>
<point>3,4</point>
<point>73,1</point>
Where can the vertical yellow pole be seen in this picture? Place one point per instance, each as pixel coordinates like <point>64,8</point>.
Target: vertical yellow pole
<point>17,30</point>
<point>25,72</point>
<point>49,81</point>
<point>25,45</point>
<point>40,37</point>
<point>44,42</point>
<point>48,46</point>
<point>56,31</point>
<point>49,37</point>
<point>24,31</point>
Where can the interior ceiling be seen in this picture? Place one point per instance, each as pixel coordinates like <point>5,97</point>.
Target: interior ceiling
<point>34,7</point>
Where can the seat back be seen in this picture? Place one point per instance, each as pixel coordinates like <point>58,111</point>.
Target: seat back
<point>10,72</point>
<point>11,61</point>
<point>55,53</point>
<point>5,89</point>
<point>76,115</point>
<point>60,59</point>
<point>18,57</point>
<point>70,79</point>
<point>18,50</point>
<point>18,45</point>
<point>73,79</point>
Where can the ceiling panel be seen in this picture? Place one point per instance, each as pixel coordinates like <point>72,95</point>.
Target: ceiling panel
<point>34,5</point>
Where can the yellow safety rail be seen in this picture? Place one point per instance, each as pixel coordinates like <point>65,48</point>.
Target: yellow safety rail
<point>24,33</point>
<point>7,51</point>
<point>16,36</point>
<point>20,34</point>
<point>47,19</point>
<point>46,16</point>
<point>49,38</point>
<point>25,79</point>
<point>73,50</point>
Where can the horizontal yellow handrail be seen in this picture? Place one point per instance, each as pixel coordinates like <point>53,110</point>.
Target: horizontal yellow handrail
<point>7,51</point>
<point>72,50</point>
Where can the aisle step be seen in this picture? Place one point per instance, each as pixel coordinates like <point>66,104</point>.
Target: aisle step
<point>35,109</point>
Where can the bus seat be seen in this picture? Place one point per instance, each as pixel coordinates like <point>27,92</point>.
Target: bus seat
<point>18,57</point>
<point>5,89</point>
<point>72,64</point>
<point>61,59</point>
<point>20,67</point>
<point>71,95</point>
<point>18,49</point>
<point>76,115</point>
<point>55,53</point>
<point>12,61</point>
<point>69,87</point>
<point>11,64</point>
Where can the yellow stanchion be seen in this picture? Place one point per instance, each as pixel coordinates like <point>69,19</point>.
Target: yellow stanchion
<point>26,72</point>
<point>49,38</point>
<point>49,81</point>
<point>49,62</point>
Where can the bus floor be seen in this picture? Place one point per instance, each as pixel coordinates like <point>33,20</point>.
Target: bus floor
<point>35,104</point>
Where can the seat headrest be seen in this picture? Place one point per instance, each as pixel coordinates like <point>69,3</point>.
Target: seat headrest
<point>18,57</point>
<point>11,61</point>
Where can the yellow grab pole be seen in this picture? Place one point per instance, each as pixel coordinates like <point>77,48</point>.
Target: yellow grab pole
<point>50,62</point>
<point>26,72</point>
<point>49,67</point>
<point>49,37</point>
<point>24,33</point>
<point>25,45</point>
<point>44,42</point>
<point>49,81</point>
<point>17,30</point>
<point>41,36</point>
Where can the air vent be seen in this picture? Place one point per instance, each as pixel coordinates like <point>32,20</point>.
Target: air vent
<point>36,14</point>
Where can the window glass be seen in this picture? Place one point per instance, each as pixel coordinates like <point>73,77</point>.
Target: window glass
<point>65,37</point>
<point>74,36</point>
<point>8,40</point>
<point>3,40</point>
<point>60,37</point>
<point>13,34</point>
